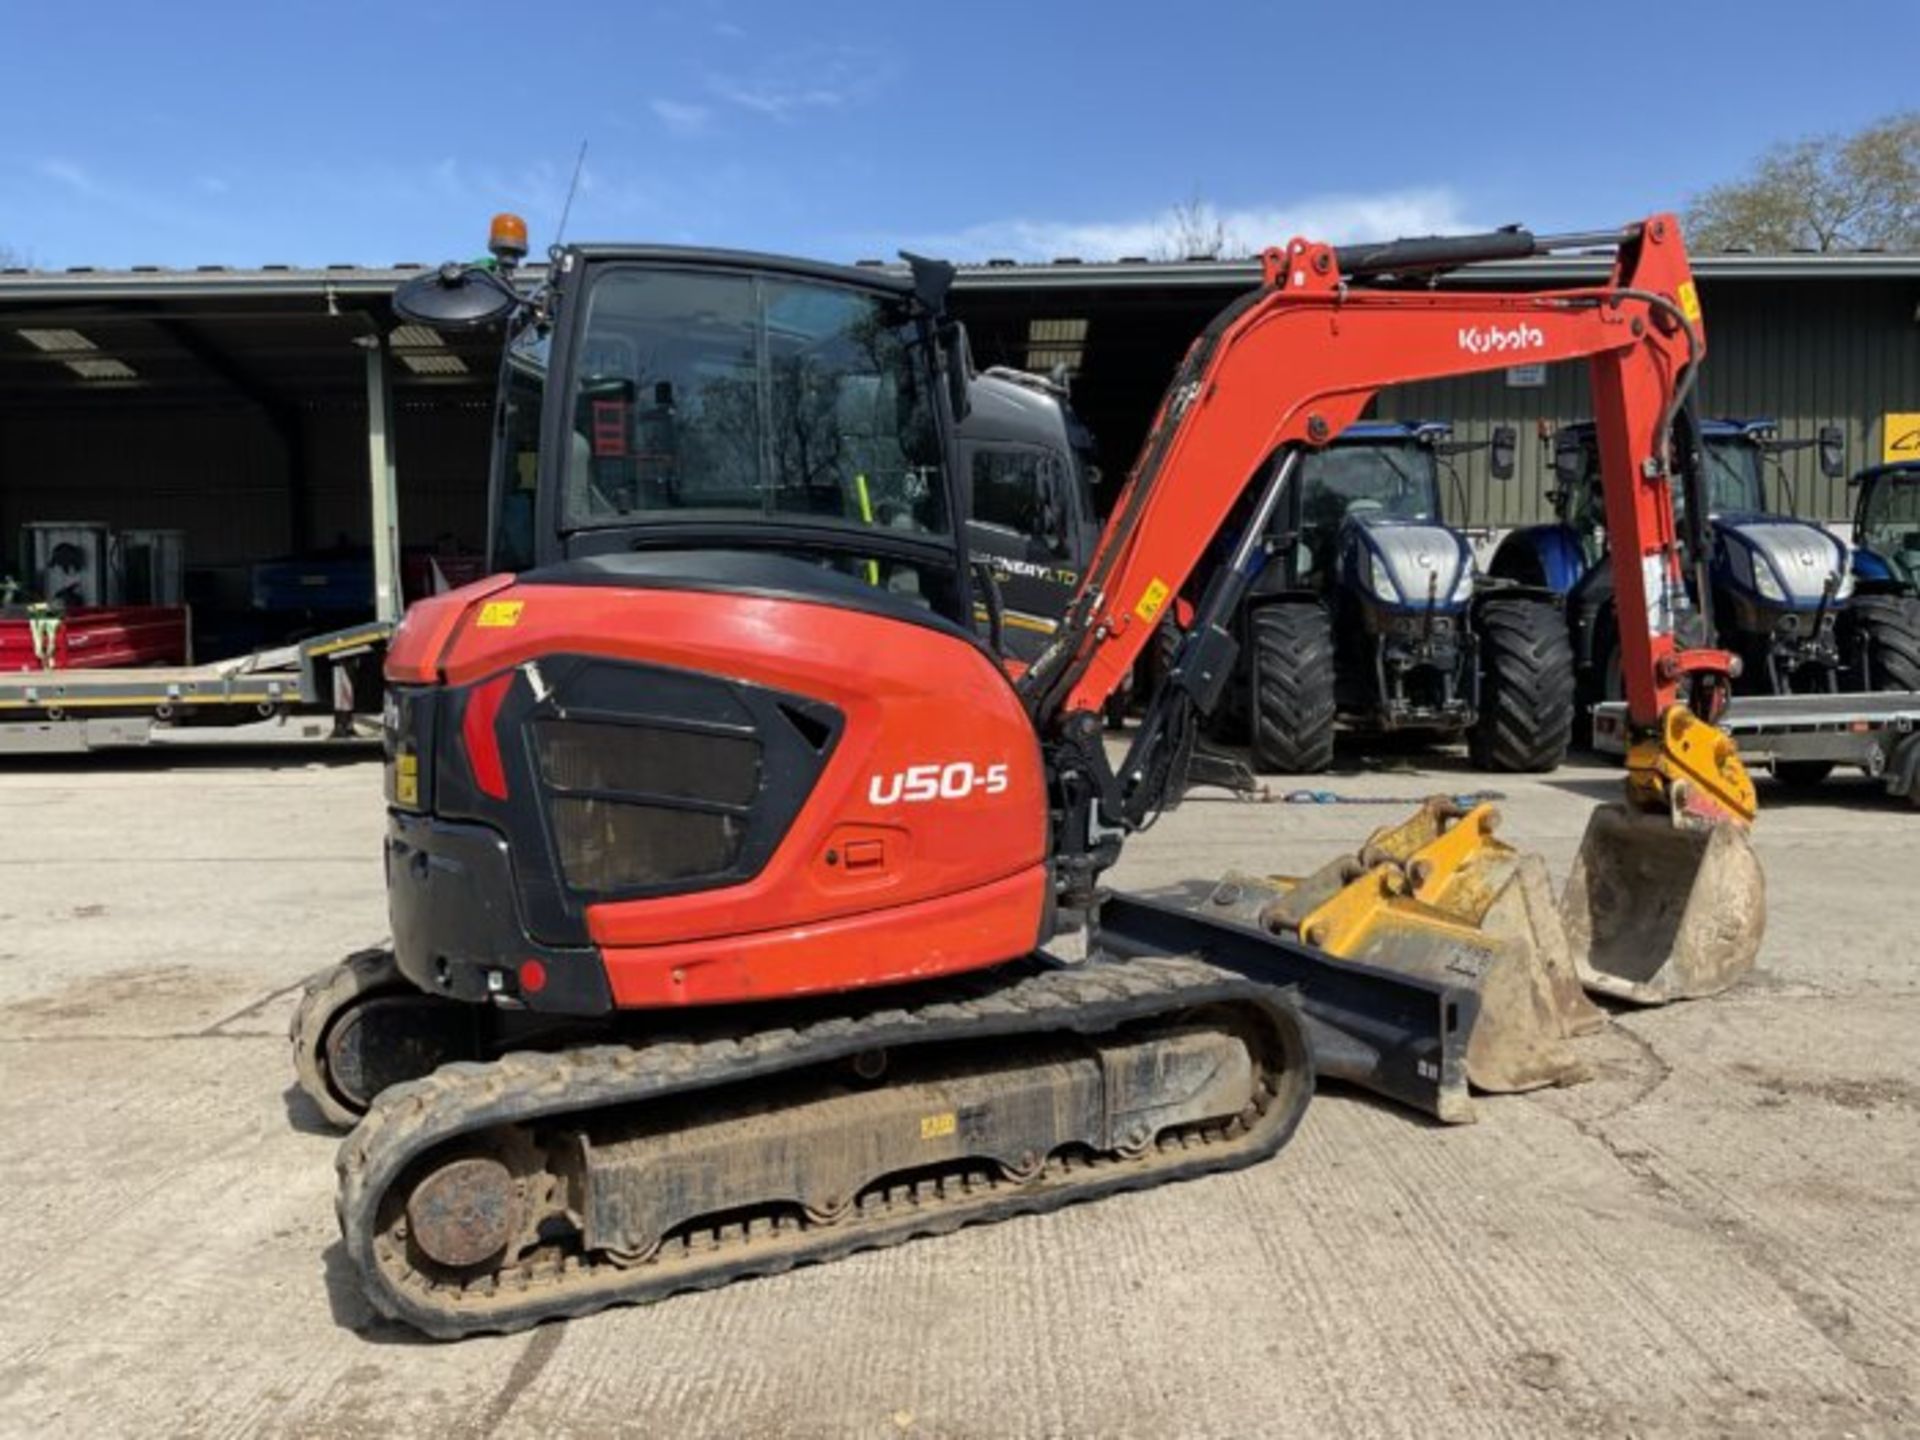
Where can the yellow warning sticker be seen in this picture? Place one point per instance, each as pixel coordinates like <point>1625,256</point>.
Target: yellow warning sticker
<point>406,779</point>
<point>933,1127</point>
<point>1151,599</point>
<point>500,614</point>
<point>1900,438</point>
<point>1689,301</point>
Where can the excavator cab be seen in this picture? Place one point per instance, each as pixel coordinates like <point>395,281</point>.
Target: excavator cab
<point>717,399</point>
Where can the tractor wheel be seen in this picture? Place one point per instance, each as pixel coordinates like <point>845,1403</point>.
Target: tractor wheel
<point>1887,627</point>
<point>1292,691</point>
<point>1526,687</point>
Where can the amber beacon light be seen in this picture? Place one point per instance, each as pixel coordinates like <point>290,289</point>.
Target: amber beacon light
<point>507,238</point>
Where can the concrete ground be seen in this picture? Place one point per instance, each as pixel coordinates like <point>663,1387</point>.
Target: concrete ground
<point>1720,1234</point>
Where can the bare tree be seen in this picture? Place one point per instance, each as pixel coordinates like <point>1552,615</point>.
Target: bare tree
<point>1831,192</point>
<point>1193,230</point>
<point>10,257</point>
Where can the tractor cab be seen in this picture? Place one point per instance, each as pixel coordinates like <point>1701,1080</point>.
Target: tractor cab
<point>1886,528</point>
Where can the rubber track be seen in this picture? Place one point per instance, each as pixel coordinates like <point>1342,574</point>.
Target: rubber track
<point>407,1121</point>
<point>1292,696</point>
<point>1526,689</point>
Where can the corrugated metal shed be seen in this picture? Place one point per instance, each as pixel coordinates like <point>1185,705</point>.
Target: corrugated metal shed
<point>1804,339</point>
<point>244,422</point>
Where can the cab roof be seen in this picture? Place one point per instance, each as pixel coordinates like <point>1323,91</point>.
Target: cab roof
<point>1901,470</point>
<point>892,282</point>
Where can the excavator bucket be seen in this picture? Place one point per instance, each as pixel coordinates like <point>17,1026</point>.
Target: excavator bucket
<point>1438,896</point>
<point>1657,911</point>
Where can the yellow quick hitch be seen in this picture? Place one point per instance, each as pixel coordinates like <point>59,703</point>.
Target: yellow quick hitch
<point>1692,771</point>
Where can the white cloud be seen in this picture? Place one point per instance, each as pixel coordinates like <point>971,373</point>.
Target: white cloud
<point>1335,218</point>
<point>814,78</point>
<point>682,118</point>
<point>70,175</point>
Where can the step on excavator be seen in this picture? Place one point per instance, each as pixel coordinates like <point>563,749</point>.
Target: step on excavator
<point>747,909</point>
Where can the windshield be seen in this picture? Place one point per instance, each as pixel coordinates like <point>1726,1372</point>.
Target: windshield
<point>1890,524</point>
<point>1399,481</point>
<point>1735,483</point>
<point>734,397</point>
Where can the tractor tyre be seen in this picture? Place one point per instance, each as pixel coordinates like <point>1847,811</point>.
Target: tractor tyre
<point>1887,629</point>
<point>1526,687</point>
<point>1291,696</point>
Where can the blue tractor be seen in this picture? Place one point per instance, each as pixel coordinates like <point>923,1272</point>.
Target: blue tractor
<point>1368,616</point>
<point>1782,589</point>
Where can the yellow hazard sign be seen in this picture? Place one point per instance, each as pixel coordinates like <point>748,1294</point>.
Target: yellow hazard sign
<point>1151,599</point>
<point>934,1127</point>
<point>500,614</point>
<point>1900,437</point>
<point>1689,301</point>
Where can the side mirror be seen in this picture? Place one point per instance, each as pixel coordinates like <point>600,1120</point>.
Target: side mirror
<point>1569,467</point>
<point>1500,458</point>
<point>1833,451</point>
<point>456,297</point>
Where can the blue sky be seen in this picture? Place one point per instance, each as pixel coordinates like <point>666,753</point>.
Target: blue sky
<point>200,133</point>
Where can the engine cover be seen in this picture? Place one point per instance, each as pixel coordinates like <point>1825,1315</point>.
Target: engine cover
<point>1420,563</point>
<point>737,792</point>
<point>1801,557</point>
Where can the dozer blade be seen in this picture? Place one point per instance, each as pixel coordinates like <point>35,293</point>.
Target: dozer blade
<point>1437,942</point>
<point>1656,911</point>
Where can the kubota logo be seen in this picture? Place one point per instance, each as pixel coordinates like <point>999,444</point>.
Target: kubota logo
<point>918,783</point>
<point>1499,340</point>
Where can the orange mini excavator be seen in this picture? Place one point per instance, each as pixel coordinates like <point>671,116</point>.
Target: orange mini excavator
<point>747,911</point>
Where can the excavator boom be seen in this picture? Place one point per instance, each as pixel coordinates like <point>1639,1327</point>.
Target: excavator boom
<point>1297,361</point>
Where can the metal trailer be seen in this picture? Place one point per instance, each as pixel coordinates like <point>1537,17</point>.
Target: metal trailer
<point>326,689</point>
<point>1876,733</point>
